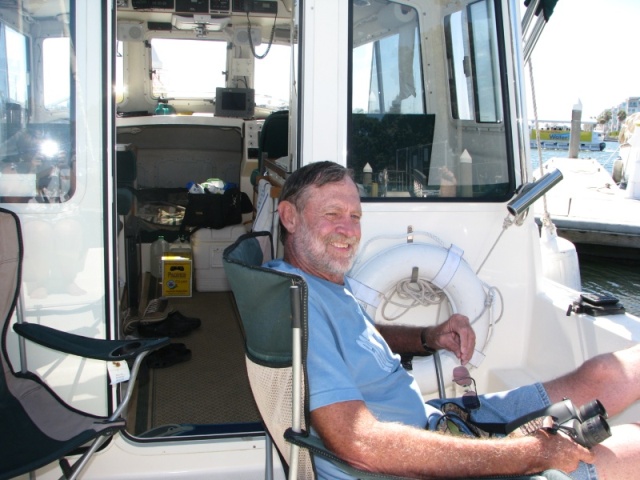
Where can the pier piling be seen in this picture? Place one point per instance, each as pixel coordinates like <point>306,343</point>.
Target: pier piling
<point>576,119</point>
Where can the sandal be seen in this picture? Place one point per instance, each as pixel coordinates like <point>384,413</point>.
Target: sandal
<point>168,356</point>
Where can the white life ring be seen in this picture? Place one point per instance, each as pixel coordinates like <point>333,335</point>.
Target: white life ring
<point>444,268</point>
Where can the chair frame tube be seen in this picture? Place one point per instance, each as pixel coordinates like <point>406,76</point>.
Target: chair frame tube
<point>296,372</point>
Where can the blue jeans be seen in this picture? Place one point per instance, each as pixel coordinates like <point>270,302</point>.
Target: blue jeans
<point>505,407</point>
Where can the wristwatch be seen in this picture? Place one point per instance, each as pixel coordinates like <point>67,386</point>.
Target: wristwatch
<point>423,339</point>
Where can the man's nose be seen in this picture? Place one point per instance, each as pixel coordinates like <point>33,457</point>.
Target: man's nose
<point>349,227</point>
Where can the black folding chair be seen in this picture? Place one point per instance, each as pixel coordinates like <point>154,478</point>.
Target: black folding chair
<point>37,426</point>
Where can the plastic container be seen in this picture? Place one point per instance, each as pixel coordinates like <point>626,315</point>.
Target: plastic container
<point>163,108</point>
<point>214,185</point>
<point>158,248</point>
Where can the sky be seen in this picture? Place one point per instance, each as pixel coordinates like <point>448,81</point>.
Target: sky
<point>588,52</point>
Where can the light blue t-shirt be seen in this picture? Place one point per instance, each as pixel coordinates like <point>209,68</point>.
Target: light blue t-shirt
<point>348,359</point>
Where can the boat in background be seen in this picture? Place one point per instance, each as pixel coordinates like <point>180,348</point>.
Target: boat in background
<point>556,136</point>
<point>597,211</point>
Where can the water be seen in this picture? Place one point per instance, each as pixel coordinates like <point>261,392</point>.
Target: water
<point>605,157</point>
<point>620,278</point>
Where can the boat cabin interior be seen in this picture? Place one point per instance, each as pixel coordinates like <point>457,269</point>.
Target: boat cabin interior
<point>115,113</point>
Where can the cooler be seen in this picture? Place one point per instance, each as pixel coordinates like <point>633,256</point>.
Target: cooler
<point>208,245</point>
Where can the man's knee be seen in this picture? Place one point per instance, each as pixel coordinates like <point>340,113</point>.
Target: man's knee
<point>603,368</point>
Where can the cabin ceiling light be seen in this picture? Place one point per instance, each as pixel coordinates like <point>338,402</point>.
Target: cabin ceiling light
<point>204,22</point>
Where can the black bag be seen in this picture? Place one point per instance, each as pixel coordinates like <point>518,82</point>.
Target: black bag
<point>214,210</point>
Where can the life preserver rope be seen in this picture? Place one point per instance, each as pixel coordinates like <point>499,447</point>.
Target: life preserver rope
<point>391,283</point>
<point>410,293</point>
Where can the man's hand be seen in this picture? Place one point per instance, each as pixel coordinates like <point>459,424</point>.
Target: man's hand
<point>557,451</point>
<point>455,335</point>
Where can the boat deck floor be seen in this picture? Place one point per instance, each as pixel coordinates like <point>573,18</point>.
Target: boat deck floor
<point>208,392</point>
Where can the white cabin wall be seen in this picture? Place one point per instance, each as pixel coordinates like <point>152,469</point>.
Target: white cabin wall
<point>323,82</point>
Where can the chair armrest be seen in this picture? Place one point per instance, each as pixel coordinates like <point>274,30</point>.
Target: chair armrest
<point>316,447</point>
<point>99,349</point>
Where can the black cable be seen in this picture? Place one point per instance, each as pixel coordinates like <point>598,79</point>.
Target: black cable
<point>273,32</point>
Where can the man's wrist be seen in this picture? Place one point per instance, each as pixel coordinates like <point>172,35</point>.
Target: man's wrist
<point>425,341</point>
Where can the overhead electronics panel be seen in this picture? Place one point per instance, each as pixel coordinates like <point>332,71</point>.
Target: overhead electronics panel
<point>261,7</point>
<point>266,8</point>
<point>220,6</point>
<point>152,4</point>
<point>192,6</point>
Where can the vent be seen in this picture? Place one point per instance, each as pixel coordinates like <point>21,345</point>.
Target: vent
<point>130,31</point>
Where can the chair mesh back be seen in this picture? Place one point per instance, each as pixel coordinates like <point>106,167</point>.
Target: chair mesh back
<point>264,303</point>
<point>272,388</point>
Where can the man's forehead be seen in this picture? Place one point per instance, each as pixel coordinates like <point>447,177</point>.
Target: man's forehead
<point>335,195</point>
<point>345,188</point>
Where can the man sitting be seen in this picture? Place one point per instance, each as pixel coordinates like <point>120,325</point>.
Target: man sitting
<point>369,410</point>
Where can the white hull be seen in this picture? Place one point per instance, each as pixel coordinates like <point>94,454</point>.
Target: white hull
<point>236,459</point>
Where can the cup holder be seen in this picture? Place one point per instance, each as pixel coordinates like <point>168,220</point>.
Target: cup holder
<point>126,349</point>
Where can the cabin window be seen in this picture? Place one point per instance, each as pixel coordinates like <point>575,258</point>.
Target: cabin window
<point>391,133</point>
<point>15,56</point>
<point>176,75</point>
<point>387,71</point>
<point>36,126</point>
<point>272,78</point>
<point>55,74</point>
<point>420,87</point>
<point>472,57</point>
<point>120,89</point>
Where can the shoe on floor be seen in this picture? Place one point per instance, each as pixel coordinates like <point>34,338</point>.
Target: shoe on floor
<point>168,356</point>
<point>165,328</point>
<point>177,317</point>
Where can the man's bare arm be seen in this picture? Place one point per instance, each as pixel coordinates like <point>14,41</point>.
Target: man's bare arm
<point>455,335</point>
<point>353,433</point>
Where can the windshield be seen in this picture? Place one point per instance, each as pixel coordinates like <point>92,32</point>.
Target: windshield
<point>176,75</point>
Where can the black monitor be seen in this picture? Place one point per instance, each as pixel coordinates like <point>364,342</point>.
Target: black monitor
<point>235,102</point>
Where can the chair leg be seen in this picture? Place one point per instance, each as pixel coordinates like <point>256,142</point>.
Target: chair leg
<point>268,464</point>
<point>293,462</point>
<point>84,459</point>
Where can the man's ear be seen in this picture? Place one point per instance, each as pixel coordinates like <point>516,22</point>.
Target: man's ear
<point>288,215</point>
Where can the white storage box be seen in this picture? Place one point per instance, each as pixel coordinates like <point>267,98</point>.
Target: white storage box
<point>208,245</point>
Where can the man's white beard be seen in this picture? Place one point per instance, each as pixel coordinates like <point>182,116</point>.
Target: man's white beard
<point>317,254</point>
